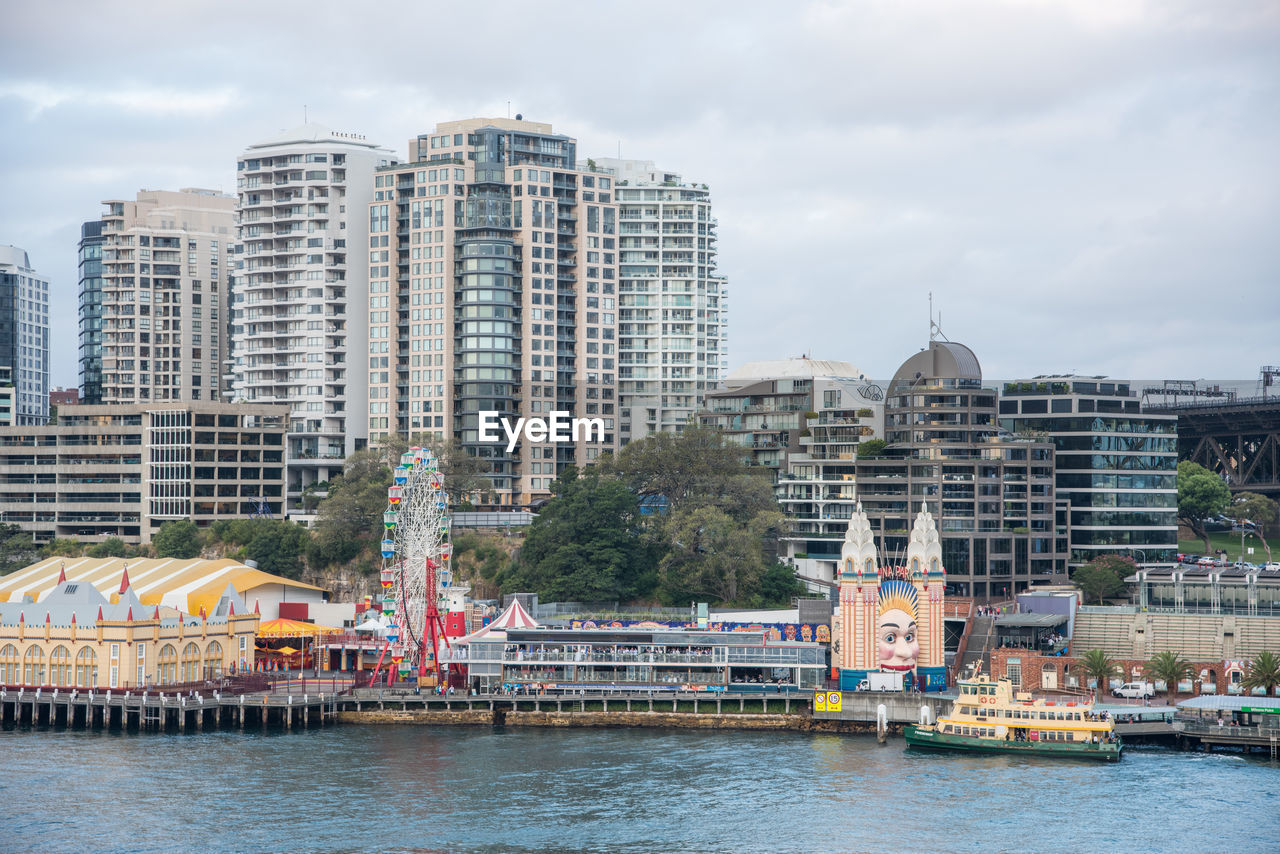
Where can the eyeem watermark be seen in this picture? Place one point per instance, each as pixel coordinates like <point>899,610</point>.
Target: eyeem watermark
<point>558,428</point>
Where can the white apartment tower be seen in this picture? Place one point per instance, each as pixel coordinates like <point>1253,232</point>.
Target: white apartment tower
<point>673,320</point>
<point>300,294</point>
<point>164,267</point>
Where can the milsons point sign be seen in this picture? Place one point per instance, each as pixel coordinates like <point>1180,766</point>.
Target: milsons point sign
<point>556,429</point>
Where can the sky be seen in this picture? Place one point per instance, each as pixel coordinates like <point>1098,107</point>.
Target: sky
<point>1087,187</point>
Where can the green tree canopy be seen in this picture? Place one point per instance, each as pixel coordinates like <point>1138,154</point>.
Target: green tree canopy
<point>1201,495</point>
<point>1103,577</point>
<point>110,547</point>
<point>586,544</point>
<point>1170,668</point>
<point>1255,508</point>
<point>179,539</point>
<point>696,461</point>
<point>870,449</point>
<point>17,549</point>
<point>350,519</point>
<point>714,556</point>
<point>1264,672</point>
<point>62,547</point>
<point>1099,666</point>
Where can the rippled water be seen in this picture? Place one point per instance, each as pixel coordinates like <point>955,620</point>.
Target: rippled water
<point>423,789</point>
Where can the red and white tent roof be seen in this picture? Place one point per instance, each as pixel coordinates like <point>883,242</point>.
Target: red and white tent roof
<point>515,617</point>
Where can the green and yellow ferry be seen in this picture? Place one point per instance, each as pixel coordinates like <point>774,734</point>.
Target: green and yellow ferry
<point>988,717</point>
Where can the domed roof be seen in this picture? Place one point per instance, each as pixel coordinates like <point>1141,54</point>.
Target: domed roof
<point>942,360</point>
<point>800,368</point>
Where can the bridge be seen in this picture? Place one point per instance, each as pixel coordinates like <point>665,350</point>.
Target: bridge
<point>1238,439</point>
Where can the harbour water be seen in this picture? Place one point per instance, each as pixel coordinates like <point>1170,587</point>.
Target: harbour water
<point>428,789</point>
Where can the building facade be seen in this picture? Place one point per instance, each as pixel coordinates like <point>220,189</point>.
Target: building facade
<point>673,306</point>
<point>300,291</point>
<point>89,254</point>
<point>493,290</point>
<point>123,470</point>
<point>992,495</point>
<point>1115,465</point>
<point>24,335</point>
<point>164,296</point>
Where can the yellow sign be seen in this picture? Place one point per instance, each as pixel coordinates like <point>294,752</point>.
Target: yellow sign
<point>820,701</point>
<point>834,701</point>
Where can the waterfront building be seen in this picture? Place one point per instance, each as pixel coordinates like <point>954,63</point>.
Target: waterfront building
<point>75,636</point>
<point>123,470</point>
<point>611,659</point>
<point>59,396</point>
<point>24,335</point>
<point>89,254</point>
<point>163,296</point>
<point>992,493</point>
<point>494,290</point>
<point>673,305</point>
<point>300,291</point>
<point>1116,465</point>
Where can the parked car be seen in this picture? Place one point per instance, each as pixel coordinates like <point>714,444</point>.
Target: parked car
<point>1272,566</point>
<point>1206,561</point>
<point>1135,690</point>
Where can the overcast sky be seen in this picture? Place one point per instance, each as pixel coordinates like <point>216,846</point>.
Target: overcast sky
<point>1086,186</point>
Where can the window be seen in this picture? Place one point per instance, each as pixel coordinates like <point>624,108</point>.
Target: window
<point>60,666</point>
<point>33,666</point>
<point>213,661</point>
<point>167,665</point>
<point>86,668</point>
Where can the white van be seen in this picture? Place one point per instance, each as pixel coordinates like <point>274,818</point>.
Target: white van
<point>1135,690</point>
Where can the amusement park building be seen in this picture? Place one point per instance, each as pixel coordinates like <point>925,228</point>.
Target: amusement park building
<point>75,635</point>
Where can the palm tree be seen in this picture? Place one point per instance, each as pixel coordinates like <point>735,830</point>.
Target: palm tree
<point>1170,668</point>
<point>1096,664</point>
<point>1264,672</point>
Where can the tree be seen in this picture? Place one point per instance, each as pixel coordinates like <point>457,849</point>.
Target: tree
<point>1257,509</point>
<point>179,539</point>
<point>1104,577</point>
<point>17,549</point>
<point>1201,495</point>
<point>587,544</point>
<point>350,519</point>
<point>62,547</point>
<point>1097,665</point>
<point>1170,668</point>
<point>278,546</point>
<point>464,474</point>
<point>871,449</point>
<point>110,547</point>
<point>698,460</point>
<point>714,556</point>
<point>778,587</point>
<point>1264,672</point>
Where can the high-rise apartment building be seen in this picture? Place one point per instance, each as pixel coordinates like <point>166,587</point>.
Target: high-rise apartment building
<point>90,264</point>
<point>493,293</point>
<point>1116,465</point>
<point>300,292</point>
<point>672,305</point>
<point>24,337</point>
<point>164,267</point>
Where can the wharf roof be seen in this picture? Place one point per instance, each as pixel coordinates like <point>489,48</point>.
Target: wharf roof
<point>1230,703</point>
<point>1030,621</point>
<point>184,585</point>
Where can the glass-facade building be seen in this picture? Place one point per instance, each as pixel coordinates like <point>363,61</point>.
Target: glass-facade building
<point>1116,465</point>
<point>24,336</point>
<point>90,263</point>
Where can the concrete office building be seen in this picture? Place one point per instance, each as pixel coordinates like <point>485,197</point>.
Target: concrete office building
<point>993,495</point>
<point>1116,465</point>
<point>24,335</point>
<point>300,291</point>
<point>493,289</point>
<point>164,296</point>
<point>89,254</point>
<point>673,320</point>
<point>123,470</point>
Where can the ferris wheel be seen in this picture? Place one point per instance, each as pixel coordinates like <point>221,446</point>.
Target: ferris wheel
<point>415,565</point>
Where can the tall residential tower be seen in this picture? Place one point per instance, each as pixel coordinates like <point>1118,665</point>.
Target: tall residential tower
<point>163,297</point>
<point>300,291</point>
<point>673,306</point>
<point>493,293</point>
<point>24,338</point>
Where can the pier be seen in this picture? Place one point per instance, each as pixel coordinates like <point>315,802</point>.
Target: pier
<point>149,712</point>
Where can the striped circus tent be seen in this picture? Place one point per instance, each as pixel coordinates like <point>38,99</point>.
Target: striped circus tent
<point>188,585</point>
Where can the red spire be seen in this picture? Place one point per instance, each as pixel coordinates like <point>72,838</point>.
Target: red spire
<point>48,618</point>
<point>130,615</point>
<point>233,607</point>
<point>124,579</point>
<point>256,610</point>
<point>203,615</point>
<point>99,613</point>
<point>73,618</point>
<point>22,617</point>
<point>62,575</point>
<point>156,615</point>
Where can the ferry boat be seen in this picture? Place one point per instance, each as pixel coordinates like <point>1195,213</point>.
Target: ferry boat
<point>988,717</point>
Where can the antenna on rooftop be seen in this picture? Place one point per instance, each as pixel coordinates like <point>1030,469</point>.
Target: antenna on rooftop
<point>935,327</point>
